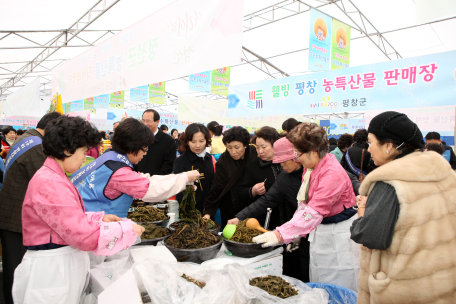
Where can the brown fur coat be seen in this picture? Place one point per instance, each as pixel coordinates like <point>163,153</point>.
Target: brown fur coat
<point>420,264</point>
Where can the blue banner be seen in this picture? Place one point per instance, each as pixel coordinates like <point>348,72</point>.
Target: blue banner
<point>76,106</point>
<point>101,101</point>
<point>139,94</point>
<point>200,82</point>
<point>319,41</point>
<point>407,83</point>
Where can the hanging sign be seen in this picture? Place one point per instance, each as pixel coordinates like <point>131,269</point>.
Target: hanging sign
<point>319,41</point>
<point>117,100</point>
<point>340,55</point>
<point>157,93</point>
<point>220,81</point>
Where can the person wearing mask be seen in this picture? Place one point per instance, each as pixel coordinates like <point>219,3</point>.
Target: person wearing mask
<point>57,230</point>
<point>345,141</point>
<point>261,173</point>
<point>164,129</point>
<point>332,144</point>
<point>162,151</point>
<point>18,172</point>
<point>289,124</point>
<point>116,183</point>
<point>282,197</point>
<point>194,141</point>
<point>356,159</point>
<point>406,218</point>
<point>448,154</point>
<point>9,138</point>
<point>175,136</point>
<point>229,170</point>
<point>217,146</point>
<point>325,192</point>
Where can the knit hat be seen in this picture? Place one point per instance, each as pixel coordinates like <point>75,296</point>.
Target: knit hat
<point>398,127</point>
<point>283,151</point>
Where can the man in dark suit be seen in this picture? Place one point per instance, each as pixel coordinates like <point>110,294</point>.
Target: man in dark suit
<point>434,138</point>
<point>162,153</point>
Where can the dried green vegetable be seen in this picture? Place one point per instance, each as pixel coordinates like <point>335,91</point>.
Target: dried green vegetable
<point>154,232</point>
<point>189,214</point>
<point>275,286</point>
<point>244,234</point>
<point>192,280</point>
<point>192,237</point>
<point>147,214</point>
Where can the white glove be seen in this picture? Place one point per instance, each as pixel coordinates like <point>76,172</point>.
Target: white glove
<point>268,238</point>
<point>293,245</point>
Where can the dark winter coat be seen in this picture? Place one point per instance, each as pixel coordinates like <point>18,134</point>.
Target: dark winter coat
<point>160,157</point>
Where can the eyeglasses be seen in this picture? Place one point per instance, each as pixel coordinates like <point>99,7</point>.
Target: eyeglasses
<point>296,154</point>
<point>145,150</point>
<point>147,121</point>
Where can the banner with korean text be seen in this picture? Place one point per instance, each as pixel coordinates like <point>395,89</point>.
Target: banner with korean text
<point>182,38</point>
<point>117,100</point>
<point>319,41</point>
<point>139,94</point>
<point>101,102</point>
<point>89,104</point>
<point>77,105</point>
<point>200,82</point>
<point>340,53</point>
<point>25,101</point>
<point>220,81</point>
<point>423,81</point>
<point>157,92</point>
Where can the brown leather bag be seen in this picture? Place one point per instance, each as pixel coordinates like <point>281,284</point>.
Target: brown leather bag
<point>361,175</point>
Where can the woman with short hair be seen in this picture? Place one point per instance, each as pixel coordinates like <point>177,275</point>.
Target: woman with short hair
<point>345,141</point>
<point>194,141</point>
<point>356,159</point>
<point>57,230</point>
<point>10,136</point>
<point>109,184</point>
<point>230,168</point>
<point>261,173</point>
<point>326,194</point>
<point>406,223</point>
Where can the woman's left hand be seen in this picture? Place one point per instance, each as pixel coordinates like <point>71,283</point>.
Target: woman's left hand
<point>361,203</point>
<point>111,218</point>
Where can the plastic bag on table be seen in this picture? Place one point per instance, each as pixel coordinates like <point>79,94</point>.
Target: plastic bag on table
<point>115,268</point>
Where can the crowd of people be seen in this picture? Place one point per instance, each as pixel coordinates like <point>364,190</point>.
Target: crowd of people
<point>383,188</point>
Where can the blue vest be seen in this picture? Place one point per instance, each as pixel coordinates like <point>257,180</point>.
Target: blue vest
<point>92,180</point>
<point>447,155</point>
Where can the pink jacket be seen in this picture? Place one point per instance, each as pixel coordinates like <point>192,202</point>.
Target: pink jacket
<point>53,211</point>
<point>94,152</point>
<point>330,191</point>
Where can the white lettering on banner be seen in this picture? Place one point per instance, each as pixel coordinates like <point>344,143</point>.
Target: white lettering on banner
<point>171,43</point>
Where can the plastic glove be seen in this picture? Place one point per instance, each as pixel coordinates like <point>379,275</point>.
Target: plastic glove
<point>268,238</point>
<point>293,245</point>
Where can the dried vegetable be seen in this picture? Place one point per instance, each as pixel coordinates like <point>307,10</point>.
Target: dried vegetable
<point>154,232</point>
<point>244,234</point>
<point>147,214</point>
<point>192,237</point>
<point>275,286</point>
<point>192,280</point>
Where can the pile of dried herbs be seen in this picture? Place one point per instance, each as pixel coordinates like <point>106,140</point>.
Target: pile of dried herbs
<point>192,237</point>
<point>244,234</point>
<point>275,286</point>
<point>189,214</point>
<point>154,232</point>
<point>147,214</point>
<point>192,280</point>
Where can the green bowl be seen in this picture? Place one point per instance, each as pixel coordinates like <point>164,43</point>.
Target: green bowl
<point>228,231</point>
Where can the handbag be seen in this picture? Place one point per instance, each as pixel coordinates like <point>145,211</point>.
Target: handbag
<point>361,175</point>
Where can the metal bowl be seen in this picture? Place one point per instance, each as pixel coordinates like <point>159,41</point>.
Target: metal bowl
<point>162,223</point>
<point>195,255</point>
<point>152,242</point>
<point>213,231</point>
<point>246,250</point>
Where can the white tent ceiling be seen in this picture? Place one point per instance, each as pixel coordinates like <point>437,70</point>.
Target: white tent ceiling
<point>275,30</point>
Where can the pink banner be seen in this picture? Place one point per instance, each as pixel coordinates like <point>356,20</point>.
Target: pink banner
<point>428,119</point>
<point>23,121</point>
<point>185,37</point>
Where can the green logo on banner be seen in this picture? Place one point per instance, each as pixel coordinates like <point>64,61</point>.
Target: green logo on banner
<point>220,81</point>
<point>157,93</point>
<point>117,99</point>
<point>340,55</point>
<point>68,107</point>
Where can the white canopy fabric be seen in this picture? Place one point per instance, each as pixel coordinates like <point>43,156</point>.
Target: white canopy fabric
<point>284,42</point>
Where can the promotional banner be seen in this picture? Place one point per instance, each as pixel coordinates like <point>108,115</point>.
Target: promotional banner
<point>340,54</point>
<point>200,82</point>
<point>89,104</point>
<point>25,101</point>
<point>423,81</point>
<point>180,39</point>
<point>76,106</point>
<point>319,41</point>
<point>101,102</point>
<point>139,94</point>
<point>220,81</point>
<point>117,100</point>
<point>68,107</point>
<point>157,93</point>
<point>84,114</point>
<point>20,121</point>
